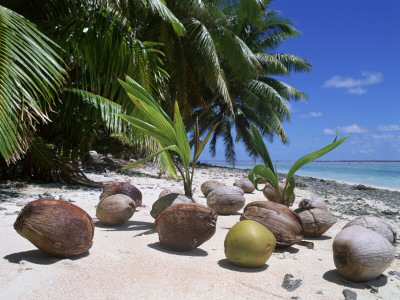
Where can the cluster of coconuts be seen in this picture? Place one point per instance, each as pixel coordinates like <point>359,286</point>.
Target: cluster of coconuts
<point>364,248</point>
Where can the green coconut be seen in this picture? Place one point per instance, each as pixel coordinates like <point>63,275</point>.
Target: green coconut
<point>249,244</point>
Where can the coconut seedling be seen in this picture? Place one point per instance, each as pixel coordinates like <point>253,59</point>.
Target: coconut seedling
<point>172,138</point>
<point>268,172</point>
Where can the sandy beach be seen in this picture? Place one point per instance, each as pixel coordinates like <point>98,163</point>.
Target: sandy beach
<point>128,262</point>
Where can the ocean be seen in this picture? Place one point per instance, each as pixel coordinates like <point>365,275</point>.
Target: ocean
<point>374,173</point>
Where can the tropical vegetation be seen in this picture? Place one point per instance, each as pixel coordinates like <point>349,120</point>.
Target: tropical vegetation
<point>60,92</point>
<point>269,173</point>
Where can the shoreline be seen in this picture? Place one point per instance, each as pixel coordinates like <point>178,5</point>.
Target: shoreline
<point>209,164</point>
<point>128,261</point>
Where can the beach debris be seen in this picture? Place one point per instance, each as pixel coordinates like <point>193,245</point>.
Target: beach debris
<point>362,187</point>
<point>376,224</point>
<point>209,185</point>
<point>316,221</point>
<point>245,184</point>
<point>168,200</point>
<point>123,188</point>
<point>249,244</point>
<point>284,223</point>
<point>272,195</point>
<point>170,190</point>
<point>349,294</point>
<point>185,226</point>
<point>226,200</point>
<point>56,227</point>
<point>291,284</point>
<point>312,200</point>
<point>46,195</point>
<point>361,254</point>
<point>115,210</point>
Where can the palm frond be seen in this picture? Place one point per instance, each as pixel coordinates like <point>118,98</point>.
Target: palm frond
<point>31,74</point>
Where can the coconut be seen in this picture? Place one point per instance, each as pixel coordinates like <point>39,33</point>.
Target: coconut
<point>185,226</point>
<point>270,193</point>
<point>56,227</point>
<point>316,221</point>
<point>168,200</point>
<point>115,209</point>
<point>209,185</point>
<point>226,200</point>
<point>245,184</point>
<point>123,188</point>
<point>171,190</point>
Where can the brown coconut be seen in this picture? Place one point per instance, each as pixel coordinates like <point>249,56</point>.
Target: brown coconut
<point>185,226</point>
<point>271,194</point>
<point>115,209</point>
<point>171,190</point>
<point>56,227</point>
<point>168,200</point>
<point>361,254</point>
<point>245,184</point>
<point>123,188</point>
<point>226,200</point>
<point>316,221</point>
<point>284,223</point>
<point>376,224</point>
<point>312,200</point>
<point>209,185</point>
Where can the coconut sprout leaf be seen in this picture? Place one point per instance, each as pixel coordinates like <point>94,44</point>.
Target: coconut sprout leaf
<point>135,89</point>
<point>181,136</point>
<point>155,118</point>
<point>147,128</point>
<point>172,147</point>
<point>260,147</point>
<point>263,172</point>
<point>312,156</point>
<point>203,143</point>
<point>289,189</point>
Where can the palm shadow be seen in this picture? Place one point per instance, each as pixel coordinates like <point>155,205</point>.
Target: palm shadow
<point>226,264</point>
<point>195,252</point>
<point>39,257</point>
<point>334,277</point>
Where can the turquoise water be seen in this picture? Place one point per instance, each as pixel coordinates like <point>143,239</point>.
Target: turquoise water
<point>383,174</point>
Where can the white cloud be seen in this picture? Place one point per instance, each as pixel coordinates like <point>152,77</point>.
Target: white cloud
<point>352,129</point>
<point>388,127</point>
<point>329,131</point>
<point>313,114</point>
<point>354,86</point>
<point>357,90</point>
<point>383,136</point>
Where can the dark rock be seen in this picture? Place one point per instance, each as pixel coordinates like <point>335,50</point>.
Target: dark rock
<point>46,195</point>
<point>349,294</point>
<point>362,187</point>
<point>394,273</point>
<point>309,245</point>
<point>291,284</point>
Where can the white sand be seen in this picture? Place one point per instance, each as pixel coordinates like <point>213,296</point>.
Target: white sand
<point>128,262</point>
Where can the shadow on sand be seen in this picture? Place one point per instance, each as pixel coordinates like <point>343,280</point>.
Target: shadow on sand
<point>226,264</point>
<point>334,277</point>
<point>195,252</point>
<point>38,257</point>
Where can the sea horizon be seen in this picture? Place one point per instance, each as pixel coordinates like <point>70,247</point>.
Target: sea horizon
<point>379,173</point>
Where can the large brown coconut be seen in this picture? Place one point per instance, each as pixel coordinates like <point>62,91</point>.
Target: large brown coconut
<point>115,209</point>
<point>185,226</point>
<point>312,200</point>
<point>245,184</point>
<point>316,221</point>
<point>376,224</point>
<point>270,193</point>
<point>168,200</point>
<point>209,185</point>
<point>284,223</point>
<point>361,254</point>
<point>226,200</point>
<point>123,188</point>
<point>171,190</point>
<point>56,227</point>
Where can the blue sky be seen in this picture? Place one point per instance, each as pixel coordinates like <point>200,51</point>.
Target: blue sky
<point>354,47</point>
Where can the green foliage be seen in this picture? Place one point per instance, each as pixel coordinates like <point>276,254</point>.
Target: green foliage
<point>171,135</point>
<point>267,171</point>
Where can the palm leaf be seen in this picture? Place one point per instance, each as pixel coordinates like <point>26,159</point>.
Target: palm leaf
<point>181,137</point>
<point>259,146</point>
<point>258,172</point>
